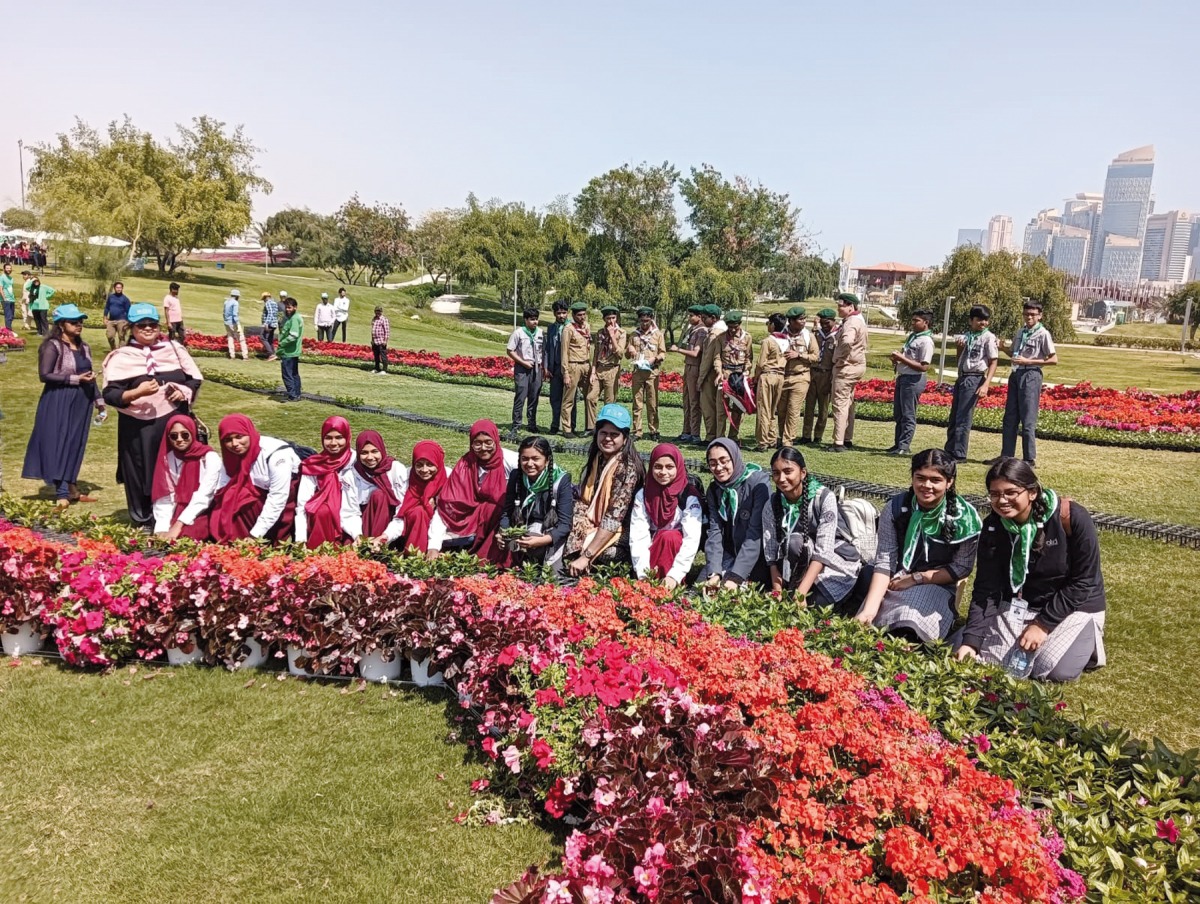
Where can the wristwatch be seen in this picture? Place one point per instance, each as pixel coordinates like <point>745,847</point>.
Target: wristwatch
<point>918,577</point>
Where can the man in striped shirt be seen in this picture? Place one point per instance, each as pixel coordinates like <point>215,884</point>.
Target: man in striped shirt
<point>381,331</point>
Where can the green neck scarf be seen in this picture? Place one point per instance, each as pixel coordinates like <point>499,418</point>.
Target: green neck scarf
<point>966,524</point>
<point>970,338</point>
<point>727,509</point>
<point>913,337</point>
<point>1024,334</point>
<point>1023,534</point>
<point>545,480</point>
<point>793,510</point>
<point>532,333</point>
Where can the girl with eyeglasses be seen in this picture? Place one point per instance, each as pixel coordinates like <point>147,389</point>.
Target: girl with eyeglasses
<point>185,482</point>
<point>1038,603</point>
<point>735,501</point>
<point>927,540</point>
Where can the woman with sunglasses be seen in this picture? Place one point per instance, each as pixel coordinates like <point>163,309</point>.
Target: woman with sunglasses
<point>147,381</point>
<point>1038,603</point>
<point>184,482</point>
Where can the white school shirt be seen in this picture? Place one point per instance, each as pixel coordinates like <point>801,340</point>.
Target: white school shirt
<point>164,506</point>
<point>341,308</point>
<point>356,491</point>
<point>688,519</point>
<point>272,471</point>
<point>307,489</point>
<point>438,533</point>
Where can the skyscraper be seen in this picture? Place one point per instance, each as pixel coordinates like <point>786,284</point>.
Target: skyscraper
<point>1068,250</point>
<point>1167,245</point>
<point>999,234</point>
<point>1083,212</point>
<point>1123,215</point>
<point>973,237</point>
<point>1040,232</point>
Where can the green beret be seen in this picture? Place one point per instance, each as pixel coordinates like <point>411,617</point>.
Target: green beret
<point>712,310</point>
<point>829,313</point>
<point>645,312</point>
<point>796,311</point>
<point>733,316</point>
<point>697,309</point>
<point>847,298</point>
<point>609,309</point>
<point>579,306</point>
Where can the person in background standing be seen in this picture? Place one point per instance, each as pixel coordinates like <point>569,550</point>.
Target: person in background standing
<point>27,276</point>
<point>911,363</point>
<point>341,314</point>
<point>647,348</point>
<point>39,304</point>
<point>816,402</point>
<point>768,387</point>
<point>709,374</point>
<point>578,371</point>
<point>116,316</point>
<point>552,364</point>
<point>978,355</point>
<point>290,342</point>
<point>692,348</point>
<point>233,324</point>
<point>525,347</point>
<point>381,332</point>
<point>1031,350</point>
<point>173,312</point>
<point>64,411</point>
<point>610,349</point>
<point>270,323</point>
<point>849,365</point>
<point>799,358</point>
<point>734,347</point>
<point>8,295</point>
<point>323,319</point>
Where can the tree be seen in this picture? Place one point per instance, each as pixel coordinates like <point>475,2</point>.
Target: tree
<point>495,239</point>
<point>163,199</point>
<point>1001,281</point>
<point>798,277</point>
<point>1177,302</point>
<point>432,242</point>
<point>18,218</point>
<point>375,238</point>
<point>742,226</point>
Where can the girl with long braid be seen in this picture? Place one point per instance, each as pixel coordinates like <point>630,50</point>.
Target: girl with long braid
<point>802,546</point>
<point>927,540</point>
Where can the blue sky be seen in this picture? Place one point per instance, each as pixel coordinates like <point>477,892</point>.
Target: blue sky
<point>891,125</point>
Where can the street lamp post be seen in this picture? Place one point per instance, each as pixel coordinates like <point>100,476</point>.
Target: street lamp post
<point>515,274</point>
<point>21,158</point>
<point>945,337</point>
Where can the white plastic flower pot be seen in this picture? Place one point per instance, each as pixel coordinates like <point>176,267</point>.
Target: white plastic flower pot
<point>176,656</point>
<point>24,638</point>
<point>293,653</point>
<point>256,656</point>
<point>421,676</point>
<point>380,665</point>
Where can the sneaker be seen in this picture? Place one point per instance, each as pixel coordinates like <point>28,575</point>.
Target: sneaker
<point>849,445</point>
<point>837,448</point>
<point>899,452</point>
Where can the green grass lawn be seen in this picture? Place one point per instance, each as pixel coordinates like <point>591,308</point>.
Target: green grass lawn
<point>197,784</point>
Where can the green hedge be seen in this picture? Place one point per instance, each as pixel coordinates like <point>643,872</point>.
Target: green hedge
<point>1106,340</point>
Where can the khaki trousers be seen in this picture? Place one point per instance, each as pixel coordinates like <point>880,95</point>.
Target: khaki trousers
<point>768,397</point>
<point>234,335</point>
<point>816,404</point>
<point>691,401</point>
<point>117,332</point>
<point>579,377</point>
<point>710,407</point>
<point>844,382</point>
<point>609,378</point>
<point>645,391</point>
<point>791,406</point>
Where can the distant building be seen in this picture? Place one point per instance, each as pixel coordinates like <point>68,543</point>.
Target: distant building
<point>1167,246</point>
<point>999,234</point>
<point>1069,250</point>
<point>889,276</point>
<point>1040,232</point>
<point>1125,207</point>
<point>969,237</point>
<point>1083,212</point>
<point>1122,259</point>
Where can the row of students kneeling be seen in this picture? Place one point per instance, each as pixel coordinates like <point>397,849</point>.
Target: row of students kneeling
<point>1038,600</point>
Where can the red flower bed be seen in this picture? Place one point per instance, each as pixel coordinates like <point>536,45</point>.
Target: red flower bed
<point>1131,410</point>
<point>9,339</point>
<point>694,765</point>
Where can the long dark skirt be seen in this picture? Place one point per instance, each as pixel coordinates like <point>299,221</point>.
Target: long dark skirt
<point>137,456</point>
<point>60,434</point>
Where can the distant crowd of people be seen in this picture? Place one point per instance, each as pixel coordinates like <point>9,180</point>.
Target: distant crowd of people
<point>23,254</point>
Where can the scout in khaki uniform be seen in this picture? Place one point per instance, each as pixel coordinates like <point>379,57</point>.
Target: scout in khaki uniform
<point>647,348</point>
<point>577,369</point>
<point>801,356</point>
<point>734,347</point>
<point>709,375</point>
<point>849,365</point>
<point>693,347</point>
<point>768,387</point>
<point>819,390</point>
<point>610,345</point>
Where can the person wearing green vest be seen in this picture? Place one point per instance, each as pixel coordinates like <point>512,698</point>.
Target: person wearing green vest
<point>288,350</point>
<point>39,305</point>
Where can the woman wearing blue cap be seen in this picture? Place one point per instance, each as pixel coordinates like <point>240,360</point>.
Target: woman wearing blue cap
<point>604,498</point>
<point>64,412</point>
<point>147,381</point>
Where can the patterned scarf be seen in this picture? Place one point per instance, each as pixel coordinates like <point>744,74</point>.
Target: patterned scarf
<point>966,524</point>
<point>1023,536</point>
<point>151,364</point>
<point>1024,334</point>
<point>547,479</point>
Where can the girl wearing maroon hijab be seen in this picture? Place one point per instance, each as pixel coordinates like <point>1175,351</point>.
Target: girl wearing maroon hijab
<point>319,496</point>
<point>256,491</point>
<point>469,508</point>
<point>185,481</point>
<point>419,506</point>
<point>667,519</point>
<point>372,492</point>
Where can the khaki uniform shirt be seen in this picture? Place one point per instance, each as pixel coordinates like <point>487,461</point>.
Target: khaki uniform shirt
<point>576,345</point>
<point>851,351</point>
<point>650,347</point>
<point>609,357</point>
